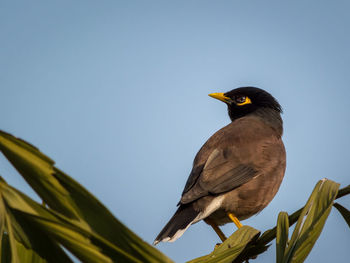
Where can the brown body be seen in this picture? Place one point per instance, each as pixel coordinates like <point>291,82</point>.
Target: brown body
<point>246,141</point>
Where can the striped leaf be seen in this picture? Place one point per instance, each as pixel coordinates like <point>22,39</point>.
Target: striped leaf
<point>232,247</point>
<point>282,236</point>
<point>71,219</point>
<point>311,221</point>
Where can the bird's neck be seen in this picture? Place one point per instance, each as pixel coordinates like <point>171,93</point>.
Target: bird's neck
<point>272,118</point>
<point>269,116</point>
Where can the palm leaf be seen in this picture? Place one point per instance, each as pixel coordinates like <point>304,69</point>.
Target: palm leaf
<point>73,204</point>
<point>311,221</point>
<point>282,236</point>
<point>232,247</point>
<point>24,240</point>
<point>27,212</point>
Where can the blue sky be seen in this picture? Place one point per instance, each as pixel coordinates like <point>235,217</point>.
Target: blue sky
<point>116,93</point>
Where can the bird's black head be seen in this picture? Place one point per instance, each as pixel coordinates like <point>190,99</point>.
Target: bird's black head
<point>246,100</point>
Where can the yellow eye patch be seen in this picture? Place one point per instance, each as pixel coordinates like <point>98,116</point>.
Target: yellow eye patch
<point>240,101</point>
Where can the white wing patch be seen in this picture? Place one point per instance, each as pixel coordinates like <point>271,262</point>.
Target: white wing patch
<point>212,207</point>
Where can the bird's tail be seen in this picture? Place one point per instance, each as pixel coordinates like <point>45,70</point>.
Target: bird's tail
<point>177,225</point>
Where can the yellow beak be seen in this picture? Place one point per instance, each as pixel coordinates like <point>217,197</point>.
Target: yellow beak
<point>220,96</point>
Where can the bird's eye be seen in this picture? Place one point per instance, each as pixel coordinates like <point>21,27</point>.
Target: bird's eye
<point>242,100</point>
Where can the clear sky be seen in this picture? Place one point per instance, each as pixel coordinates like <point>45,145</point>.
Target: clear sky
<point>116,93</point>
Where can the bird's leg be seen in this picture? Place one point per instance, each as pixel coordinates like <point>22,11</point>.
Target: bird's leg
<point>234,220</point>
<point>216,229</point>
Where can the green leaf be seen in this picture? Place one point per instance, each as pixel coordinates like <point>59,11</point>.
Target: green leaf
<point>33,239</point>
<point>37,170</point>
<point>282,236</point>
<point>24,254</point>
<point>270,234</point>
<point>12,241</point>
<point>28,255</point>
<point>231,248</point>
<point>311,221</point>
<point>5,252</point>
<point>121,236</point>
<point>79,244</point>
<point>68,197</point>
<point>261,245</point>
<point>83,244</point>
<point>344,212</point>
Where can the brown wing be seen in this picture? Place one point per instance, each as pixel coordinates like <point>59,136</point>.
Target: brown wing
<point>231,157</point>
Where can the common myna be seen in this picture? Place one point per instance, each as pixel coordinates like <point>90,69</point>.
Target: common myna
<point>238,170</point>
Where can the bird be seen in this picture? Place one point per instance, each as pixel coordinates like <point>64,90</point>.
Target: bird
<point>238,170</point>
